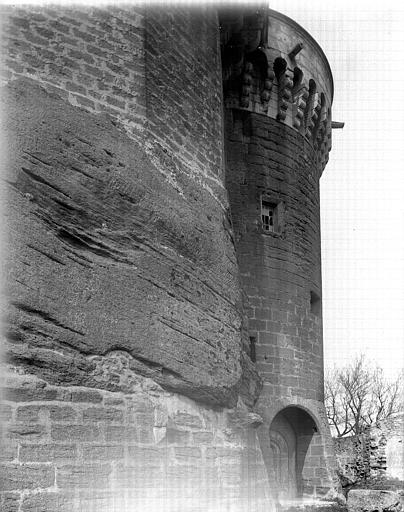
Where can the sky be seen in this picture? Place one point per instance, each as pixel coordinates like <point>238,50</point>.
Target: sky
<point>362,188</point>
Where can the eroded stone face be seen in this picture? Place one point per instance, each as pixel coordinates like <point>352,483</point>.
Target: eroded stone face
<point>123,280</point>
<point>375,455</point>
<point>106,256</point>
<point>364,500</point>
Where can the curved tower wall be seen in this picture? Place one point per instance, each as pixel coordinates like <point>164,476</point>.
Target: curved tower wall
<point>278,92</point>
<point>155,219</point>
<point>128,386</point>
<point>280,270</point>
<point>135,305</point>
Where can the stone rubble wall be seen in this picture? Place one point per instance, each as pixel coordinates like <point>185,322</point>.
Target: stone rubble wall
<point>352,459</point>
<point>393,431</point>
<point>375,455</point>
<point>362,500</point>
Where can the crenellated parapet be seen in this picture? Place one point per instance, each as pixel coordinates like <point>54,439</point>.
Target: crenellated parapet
<point>273,67</point>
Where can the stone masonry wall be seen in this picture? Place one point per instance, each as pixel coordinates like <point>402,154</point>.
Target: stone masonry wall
<point>280,272</point>
<point>375,455</point>
<point>393,430</point>
<point>183,93</point>
<point>156,71</point>
<point>130,382</point>
<point>74,448</point>
<point>129,385</point>
<point>353,459</point>
<point>124,210</point>
<point>93,58</point>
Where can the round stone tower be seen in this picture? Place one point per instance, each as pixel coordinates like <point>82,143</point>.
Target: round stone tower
<point>138,316</point>
<point>278,90</point>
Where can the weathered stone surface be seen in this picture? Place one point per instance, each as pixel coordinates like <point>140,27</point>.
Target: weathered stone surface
<point>375,457</point>
<point>269,162</point>
<point>79,466</point>
<point>279,269</point>
<point>251,382</point>
<point>26,476</point>
<point>45,502</point>
<point>123,275</point>
<point>83,476</point>
<point>47,452</point>
<point>10,502</point>
<point>313,506</point>
<point>107,255</point>
<point>370,500</point>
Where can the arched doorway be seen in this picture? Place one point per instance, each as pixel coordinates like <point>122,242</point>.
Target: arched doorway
<point>290,434</point>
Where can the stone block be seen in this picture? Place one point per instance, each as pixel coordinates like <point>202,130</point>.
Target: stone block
<point>321,472</point>
<point>114,401</point>
<point>370,500</point>
<point>26,476</point>
<point>144,420</point>
<point>201,438</point>
<point>83,476</point>
<point>45,502</point>
<point>10,502</point>
<point>61,413</point>
<point>175,436</point>
<point>129,434</point>
<point>28,394</point>
<point>6,412</point>
<point>187,453</point>
<point>187,421</point>
<point>140,404</point>
<point>26,431</point>
<point>75,433</point>
<point>29,413</point>
<point>226,455</point>
<point>47,452</point>
<point>103,452</point>
<point>8,450</point>
<point>86,396</point>
<point>103,414</point>
<point>146,456</point>
<point>317,450</point>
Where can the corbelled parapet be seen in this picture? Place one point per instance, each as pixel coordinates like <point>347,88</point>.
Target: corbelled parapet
<point>272,66</point>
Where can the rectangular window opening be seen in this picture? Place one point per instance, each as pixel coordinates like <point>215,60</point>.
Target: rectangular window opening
<point>269,216</point>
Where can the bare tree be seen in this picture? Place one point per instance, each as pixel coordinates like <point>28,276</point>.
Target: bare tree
<point>359,396</point>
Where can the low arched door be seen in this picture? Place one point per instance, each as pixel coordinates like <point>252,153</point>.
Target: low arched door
<point>283,448</point>
<point>290,434</point>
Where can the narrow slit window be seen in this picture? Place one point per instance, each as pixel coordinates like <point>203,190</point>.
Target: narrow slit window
<point>253,355</point>
<point>269,216</point>
<point>315,304</point>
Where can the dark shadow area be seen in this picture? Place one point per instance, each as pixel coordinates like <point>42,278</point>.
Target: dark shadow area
<point>290,433</point>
